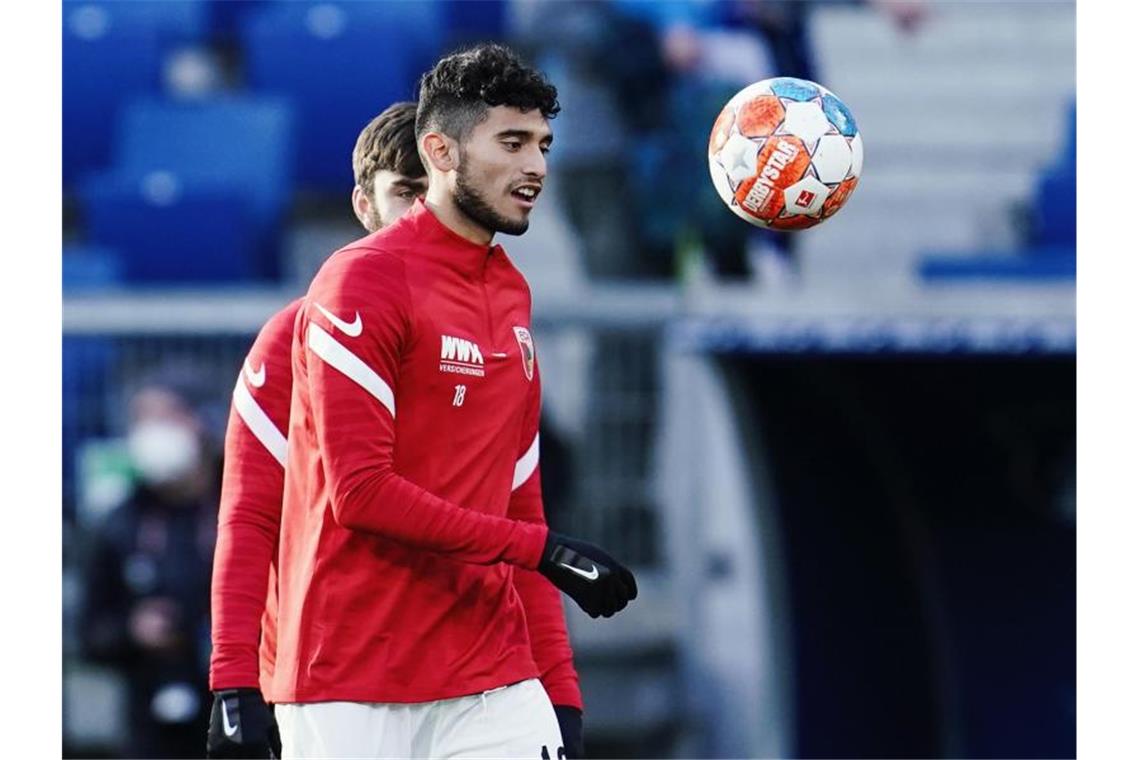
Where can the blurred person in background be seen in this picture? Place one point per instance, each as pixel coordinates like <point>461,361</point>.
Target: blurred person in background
<point>709,50</point>
<point>613,87</point>
<point>388,178</point>
<point>444,656</point>
<point>784,26</point>
<point>706,61</point>
<point>147,577</point>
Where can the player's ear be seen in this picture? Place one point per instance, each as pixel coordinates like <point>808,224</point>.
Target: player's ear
<point>439,150</point>
<point>361,205</point>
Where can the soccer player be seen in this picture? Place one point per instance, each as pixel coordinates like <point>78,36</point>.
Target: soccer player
<point>389,177</point>
<point>415,566</point>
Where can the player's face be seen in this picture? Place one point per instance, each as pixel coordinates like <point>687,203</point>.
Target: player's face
<point>392,194</point>
<point>502,166</point>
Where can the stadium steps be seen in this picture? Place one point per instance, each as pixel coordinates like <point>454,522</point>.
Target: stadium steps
<point>980,211</point>
<point>958,121</point>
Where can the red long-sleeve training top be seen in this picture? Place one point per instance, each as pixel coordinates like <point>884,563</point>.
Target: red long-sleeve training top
<point>243,616</point>
<point>393,532</point>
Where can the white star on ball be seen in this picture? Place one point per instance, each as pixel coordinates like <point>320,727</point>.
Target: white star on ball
<point>738,156</point>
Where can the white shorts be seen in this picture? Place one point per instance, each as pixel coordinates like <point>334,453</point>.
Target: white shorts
<point>511,721</point>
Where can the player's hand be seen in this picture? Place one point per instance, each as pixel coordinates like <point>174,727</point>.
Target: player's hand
<point>595,580</point>
<point>241,725</point>
<point>570,724</point>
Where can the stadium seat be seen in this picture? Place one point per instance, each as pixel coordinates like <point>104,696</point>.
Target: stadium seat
<point>174,231</point>
<point>90,267</point>
<point>247,140</point>
<point>1050,253</point>
<point>1056,207</point>
<point>1056,196</point>
<point>340,64</point>
<point>208,178</point>
<point>226,18</point>
<point>175,21</point>
<point>1036,264</point>
<point>113,51</point>
<point>100,68</point>
<point>474,20</point>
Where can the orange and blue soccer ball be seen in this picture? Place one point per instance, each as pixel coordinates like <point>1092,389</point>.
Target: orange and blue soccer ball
<point>785,154</point>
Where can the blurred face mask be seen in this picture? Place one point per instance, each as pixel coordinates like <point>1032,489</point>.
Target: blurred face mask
<point>163,452</point>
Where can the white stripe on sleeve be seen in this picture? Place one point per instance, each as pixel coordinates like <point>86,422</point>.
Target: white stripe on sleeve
<point>258,422</point>
<point>526,466</point>
<point>350,365</point>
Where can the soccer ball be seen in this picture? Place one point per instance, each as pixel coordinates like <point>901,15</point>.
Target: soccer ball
<point>785,154</point>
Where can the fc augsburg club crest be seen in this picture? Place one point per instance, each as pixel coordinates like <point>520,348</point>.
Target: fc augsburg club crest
<point>526,350</point>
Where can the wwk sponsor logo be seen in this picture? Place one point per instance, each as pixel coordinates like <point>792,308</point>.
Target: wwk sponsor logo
<point>460,356</point>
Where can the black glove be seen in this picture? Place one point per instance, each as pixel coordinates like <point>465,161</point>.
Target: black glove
<point>595,580</point>
<point>242,725</point>
<point>570,723</point>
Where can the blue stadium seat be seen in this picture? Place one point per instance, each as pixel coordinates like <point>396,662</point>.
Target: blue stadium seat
<point>174,231</point>
<point>208,181</point>
<point>1036,264</point>
<point>1056,195</point>
<point>100,68</point>
<point>1056,207</point>
<point>226,17</point>
<point>111,52</point>
<point>340,64</point>
<point>474,20</point>
<point>175,21</point>
<point>245,140</point>
<point>90,267</point>
<point>1050,252</point>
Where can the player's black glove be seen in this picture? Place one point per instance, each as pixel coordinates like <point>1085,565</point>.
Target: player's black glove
<point>570,723</point>
<point>241,725</point>
<point>595,580</point>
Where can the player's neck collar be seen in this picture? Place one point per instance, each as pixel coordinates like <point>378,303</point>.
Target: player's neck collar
<point>443,243</point>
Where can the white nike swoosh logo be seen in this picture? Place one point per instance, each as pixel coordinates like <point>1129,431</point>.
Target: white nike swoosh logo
<point>229,728</point>
<point>351,329</point>
<point>590,576</point>
<point>256,379</point>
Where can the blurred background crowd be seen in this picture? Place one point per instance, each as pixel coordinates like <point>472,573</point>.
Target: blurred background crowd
<point>842,460</point>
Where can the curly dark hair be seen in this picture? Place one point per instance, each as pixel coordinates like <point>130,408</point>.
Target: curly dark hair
<point>455,95</point>
<point>388,143</point>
